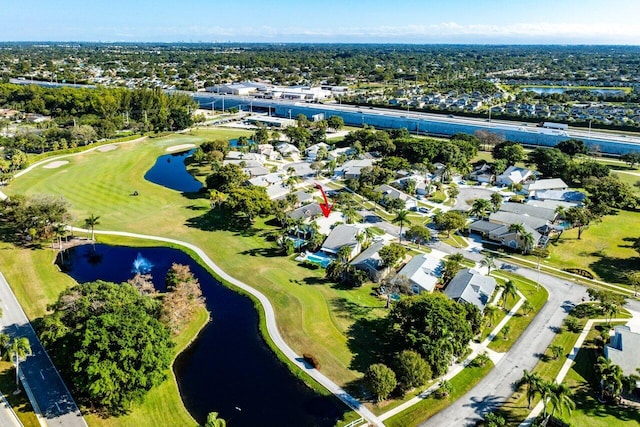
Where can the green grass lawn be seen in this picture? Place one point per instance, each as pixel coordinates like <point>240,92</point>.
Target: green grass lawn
<point>537,296</point>
<point>462,383</point>
<point>313,315</point>
<point>19,402</point>
<point>604,249</point>
<point>583,383</point>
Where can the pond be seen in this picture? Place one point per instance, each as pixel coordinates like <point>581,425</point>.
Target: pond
<point>171,172</point>
<point>229,369</point>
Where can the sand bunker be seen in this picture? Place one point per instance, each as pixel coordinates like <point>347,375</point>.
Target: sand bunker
<point>180,147</point>
<point>106,148</point>
<point>55,164</point>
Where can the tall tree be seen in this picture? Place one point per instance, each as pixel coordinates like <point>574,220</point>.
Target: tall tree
<point>381,380</point>
<point>532,381</point>
<point>481,208</point>
<point>91,222</point>
<point>412,370</point>
<point>561,399</point>
<point>402,217</point>
<point>19,349</point>
<point>509,289</point>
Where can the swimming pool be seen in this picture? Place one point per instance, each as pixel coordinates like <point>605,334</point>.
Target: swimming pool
<point>319,258</point>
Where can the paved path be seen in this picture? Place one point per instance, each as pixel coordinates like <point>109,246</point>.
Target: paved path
<point>497,386</point>
<point>8,418</point>
<point>47,392</point>
<point>270,318</point>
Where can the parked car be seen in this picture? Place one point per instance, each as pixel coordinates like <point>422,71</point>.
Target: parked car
<point>423,209</point>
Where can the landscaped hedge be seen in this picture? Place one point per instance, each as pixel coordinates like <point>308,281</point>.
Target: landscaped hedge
<point>579,272</point>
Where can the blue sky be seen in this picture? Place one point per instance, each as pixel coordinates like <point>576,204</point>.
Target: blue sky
<point>384,21</point>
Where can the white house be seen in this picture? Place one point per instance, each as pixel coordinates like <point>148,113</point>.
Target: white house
<point>514,175</point>
<point>423,272</point>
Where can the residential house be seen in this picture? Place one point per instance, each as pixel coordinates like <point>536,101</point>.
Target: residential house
<point>514,175</point>
<point>312,151</point>
<point>472,287</point>
<point>483,174</point>
<point>272,182</point>
<point>239,155</point>
<point>351,169</point>
<point>571,196</point>
<point>300,169</point>
<point>623,350</point>
<point>526,210</point>
<point>342,235</point>
<point>370,262</point>
<point>268,151</point>
<point>391,193</point>
<point>423,272</point>
<point>311,210</point>
<point>288,150</point>
<point>545,184</point>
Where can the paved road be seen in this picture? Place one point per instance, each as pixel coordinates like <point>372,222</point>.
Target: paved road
<point>497,386</point>
<point>52,397</point>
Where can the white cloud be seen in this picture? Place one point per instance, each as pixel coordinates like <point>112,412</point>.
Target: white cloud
<point>607,32</point>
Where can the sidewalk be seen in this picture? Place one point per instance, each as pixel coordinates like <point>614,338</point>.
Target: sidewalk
<point>456,368</point>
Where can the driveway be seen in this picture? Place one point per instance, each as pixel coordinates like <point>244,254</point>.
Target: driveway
<point>468,195</point>
<point>47,390</point>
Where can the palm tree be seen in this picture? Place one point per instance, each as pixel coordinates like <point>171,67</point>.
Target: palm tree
<point>496,201</point>
<point>90,223</point>
<point>527,307</point>
<point>401,218</point>
<point>60,230</point>
<point>489,262</point>
<point>610,309</point>
<point>344,253</point>
<point>480,207</point>
<point>527,242</point>
<point>610,378</point>
<point>490,312</point>
<point>545,390</point>
<point>532,381</point>
<point>19,348</point>
<point>561,398</point>
<point>509,289</point>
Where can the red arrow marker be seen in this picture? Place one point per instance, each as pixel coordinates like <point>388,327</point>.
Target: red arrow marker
<point>326,208</point>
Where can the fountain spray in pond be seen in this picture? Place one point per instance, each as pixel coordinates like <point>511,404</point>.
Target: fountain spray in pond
<point>141,265</point>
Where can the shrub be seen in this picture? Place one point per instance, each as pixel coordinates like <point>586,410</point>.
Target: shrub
<point>579,272</point>
<point>311,360</point>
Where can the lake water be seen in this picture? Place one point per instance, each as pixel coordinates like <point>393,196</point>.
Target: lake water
<point>229,369</point>
<point>171,172</point>
<point>551,90</point>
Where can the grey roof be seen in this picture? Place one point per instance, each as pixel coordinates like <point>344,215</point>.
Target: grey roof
<point>623,350</point>
<point>546,184</point>
<point>484,226</point>
<point>552,204</point>
<point>472,287</point>
<point>246,163</point>
<point>306,211</point>
<point>563,195</point>
<point>370,257</point>
<point>529,210</point>
<point>301,169</point>
<point>342,235</point>
<point>509,218</point>
<point>391,192</point>
<point>353,167</point>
